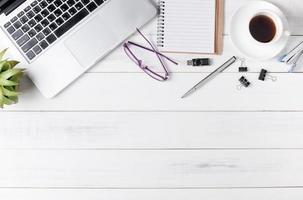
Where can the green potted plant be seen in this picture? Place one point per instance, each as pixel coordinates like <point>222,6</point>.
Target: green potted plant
<point>10,77</point>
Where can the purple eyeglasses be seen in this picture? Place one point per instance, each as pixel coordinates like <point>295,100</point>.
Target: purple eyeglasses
<point>157,76</point>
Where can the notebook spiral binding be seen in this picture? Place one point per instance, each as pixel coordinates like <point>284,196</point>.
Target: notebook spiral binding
<point>161,24</point>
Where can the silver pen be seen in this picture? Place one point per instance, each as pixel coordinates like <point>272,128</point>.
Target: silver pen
<point>220,69</point>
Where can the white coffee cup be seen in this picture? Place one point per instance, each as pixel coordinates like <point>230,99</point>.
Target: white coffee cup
<point>279,23</point>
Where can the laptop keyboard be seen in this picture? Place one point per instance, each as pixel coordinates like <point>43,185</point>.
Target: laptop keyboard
<point>44,21</point>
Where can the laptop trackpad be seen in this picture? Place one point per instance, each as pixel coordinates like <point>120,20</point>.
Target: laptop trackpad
<point>91,41</point>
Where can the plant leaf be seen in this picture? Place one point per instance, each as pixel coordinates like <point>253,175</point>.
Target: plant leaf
<point>7,101</point>
<point>15,99</point>
<point>2,53</point>
<point>9,93</point>
<point>2,63</point>
<point>7,82</point>
<point>1,98</point>
<point>9,73</point>
<point>6,66</point>
<point>17,77</point>
<point>13,63</point>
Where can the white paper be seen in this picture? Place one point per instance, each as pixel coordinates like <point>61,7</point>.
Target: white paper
<point>190,26</point>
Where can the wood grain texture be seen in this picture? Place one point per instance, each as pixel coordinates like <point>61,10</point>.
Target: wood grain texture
<point>119,62</point>
<point>115,134</point>
<point>152,130</point>
<point>136,92</point>
<point>151,169</point>
<point>152,194</point>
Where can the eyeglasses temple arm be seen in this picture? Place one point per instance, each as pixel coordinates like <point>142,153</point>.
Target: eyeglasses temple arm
<point>151,50</point>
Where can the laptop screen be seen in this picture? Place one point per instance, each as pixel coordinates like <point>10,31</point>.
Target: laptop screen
<point>7,6</point>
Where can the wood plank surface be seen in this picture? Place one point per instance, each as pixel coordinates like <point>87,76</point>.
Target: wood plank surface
<point>119,62</point>
<point>152,194</point>
<point>116,134</point>
<point>136,92</point>
<point>152,130</point>
<point>151,168</point>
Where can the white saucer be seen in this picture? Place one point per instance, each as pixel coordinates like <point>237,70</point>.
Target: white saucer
<point>240,38</point>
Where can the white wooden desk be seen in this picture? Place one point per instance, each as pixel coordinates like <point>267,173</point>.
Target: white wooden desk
<point>117,134</point>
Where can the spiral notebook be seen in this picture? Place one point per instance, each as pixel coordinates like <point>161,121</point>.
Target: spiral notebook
<point>190,26</point>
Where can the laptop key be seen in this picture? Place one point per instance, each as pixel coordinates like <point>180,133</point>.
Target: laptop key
<point>51,8</point>
<point>20,14</point>
<point>79,6</point>
<point>51,17</point>
<point>38,18</point>
<point>59,21</point>
<point>72,11</point>
<point>30,55</point>
<point>17,34</point>
<point>51,38</point>
<point>57,3</point>
<point>64,7</point>
<point>46,31</point>
<point>30,14</point>
<point>40,36</point>
<point>99,2</point>
<point>7,24</point>
<point>24,19</point>
<point>43,4</point>
<point>23,40</point>
<point>17,24</point>
<point>25,28</point>
<point>10,29</point>
<point>53,26</point>
<point>34,3</point>
<point>91,7</point>
<point>45,22</point>
<point>58,12</point>
<point>37,9</point>
<point>43,44</point>
<point>27,9</point>
<point>32,23</point>
<point>71,22</point>
<point>65,16</point>
<point>85,2</point>
<point>14,19</point>
<point>71,2</point>
<point>32,33</point>
<point>37,49</point>
<point>44,13</point>
<point>29,45</point>
<point>38,28</point>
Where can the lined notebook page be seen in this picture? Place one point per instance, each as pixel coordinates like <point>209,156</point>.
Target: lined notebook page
<point>188,26</point>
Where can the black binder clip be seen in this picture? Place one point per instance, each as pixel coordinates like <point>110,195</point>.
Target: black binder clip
<point>264,75</point>
<point>244,83</point>
<point>243,67</point>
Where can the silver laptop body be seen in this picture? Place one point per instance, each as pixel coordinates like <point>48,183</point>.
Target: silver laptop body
<point>58,40</point>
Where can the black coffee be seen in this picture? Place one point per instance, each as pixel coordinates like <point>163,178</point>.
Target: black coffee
<point>262,28</point>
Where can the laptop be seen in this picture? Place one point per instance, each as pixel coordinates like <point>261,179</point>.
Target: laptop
<point>58,40</point>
